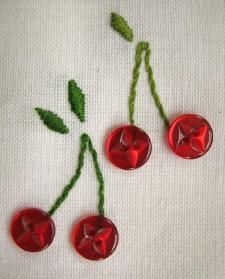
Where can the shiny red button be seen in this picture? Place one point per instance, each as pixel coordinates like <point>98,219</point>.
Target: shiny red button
<point>128,147</point>
<point>95,238</point>
<point>190,136</point>
<point>32,229</point>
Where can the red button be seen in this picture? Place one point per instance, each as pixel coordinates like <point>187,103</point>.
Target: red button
<point>32,229</point>
<point>128,147</point>
<point>95,238</point>
<point>190,136</point>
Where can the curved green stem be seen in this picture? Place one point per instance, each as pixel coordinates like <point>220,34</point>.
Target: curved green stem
<point>144,47</point>
<point>85,141</point>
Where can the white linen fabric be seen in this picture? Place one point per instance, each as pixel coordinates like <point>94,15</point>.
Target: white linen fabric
<point>170,213</point>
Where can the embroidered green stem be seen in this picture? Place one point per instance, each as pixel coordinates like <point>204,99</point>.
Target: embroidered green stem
<point>144,47</point>
<point>99,176</point>
<point>85,141</point>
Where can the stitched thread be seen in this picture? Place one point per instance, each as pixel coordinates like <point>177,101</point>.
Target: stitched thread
<point>52,121</point>
<point>76,100</point>
<point>85,141</point>
<point>144,47</point>
<point>120,25</point>
<point>99,176</point>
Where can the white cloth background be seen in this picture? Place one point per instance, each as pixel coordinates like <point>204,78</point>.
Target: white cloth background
<point>170,213</point>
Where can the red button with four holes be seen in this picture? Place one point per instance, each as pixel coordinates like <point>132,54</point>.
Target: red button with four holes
<point>190,136</point>
<point>32,229</point>
<point>128,147</point>
<point>95,238</point>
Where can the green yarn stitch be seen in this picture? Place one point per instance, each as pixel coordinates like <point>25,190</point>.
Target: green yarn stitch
<point>144,47</point>
<point>120,25</point>
<point>99,176</point>
<point>76,100</point>
<point>85,141</point>
<point>52,121</point>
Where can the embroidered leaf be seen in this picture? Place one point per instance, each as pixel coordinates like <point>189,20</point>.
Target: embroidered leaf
<point>52,121</point>
<point>120,25</point>
<point>77,100</point>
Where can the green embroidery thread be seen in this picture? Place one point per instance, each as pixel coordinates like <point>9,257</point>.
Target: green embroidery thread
<point>144,47</point>
<point>52,121</point>
<point>55,123</point>
<point>85,141</point>
<point>76,100</point>
<point>120,25</point>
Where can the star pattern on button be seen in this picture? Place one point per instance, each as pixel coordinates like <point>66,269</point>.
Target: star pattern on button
<point>95,238</point>
<point>128,147</point>
<point>35,231</point>
<point>32,229</point>
<point>190,136</point>
<point>196,137</point>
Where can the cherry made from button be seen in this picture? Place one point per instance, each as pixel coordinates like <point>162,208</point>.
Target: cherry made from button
<point>95,238</point>
<point>128,147</point>
<point>190,136</point>
<point>32,229</point>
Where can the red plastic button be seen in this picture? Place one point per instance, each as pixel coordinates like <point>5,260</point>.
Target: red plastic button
<point>95,238</point>
<point>128,147</point>
<point>32,229</point>
<point>190,136</point>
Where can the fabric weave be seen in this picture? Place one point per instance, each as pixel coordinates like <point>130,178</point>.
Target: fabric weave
<point>170,214</point>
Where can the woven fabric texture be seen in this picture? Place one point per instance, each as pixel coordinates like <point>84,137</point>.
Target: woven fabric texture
<point>170,213</point>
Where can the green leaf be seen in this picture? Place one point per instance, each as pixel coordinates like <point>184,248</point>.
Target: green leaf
<point>52,121</point>
<point>120,25</point>
<point>76,100</point>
